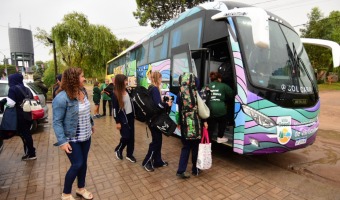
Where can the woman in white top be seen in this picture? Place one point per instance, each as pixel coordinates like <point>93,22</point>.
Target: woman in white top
<point>69,106</point>
<point>123,113</point>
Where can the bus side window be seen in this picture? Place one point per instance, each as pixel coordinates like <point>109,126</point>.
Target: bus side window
<point>181,64</point>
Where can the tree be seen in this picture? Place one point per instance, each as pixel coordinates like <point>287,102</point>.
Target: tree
<point>79,43</point>
<point>157,12</point>
<point>327,28</point>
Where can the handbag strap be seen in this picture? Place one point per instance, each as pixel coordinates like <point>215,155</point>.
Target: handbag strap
<point>22,92</point>
<point>205,136</point>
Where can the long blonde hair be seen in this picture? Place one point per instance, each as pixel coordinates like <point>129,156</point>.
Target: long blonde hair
<point>155,77</point>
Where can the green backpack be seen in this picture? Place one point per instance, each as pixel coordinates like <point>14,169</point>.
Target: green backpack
<point>191,125</point>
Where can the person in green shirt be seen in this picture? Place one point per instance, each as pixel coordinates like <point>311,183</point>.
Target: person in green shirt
<point>96,99</point>
<point>220,93</point>
<point>105,97</point>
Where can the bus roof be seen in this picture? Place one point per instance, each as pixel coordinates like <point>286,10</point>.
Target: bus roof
<point>218,6</point>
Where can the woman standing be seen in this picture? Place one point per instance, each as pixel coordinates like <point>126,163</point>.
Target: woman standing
<point>69,106</point>
<point>16,93</point>
<point>189,145</point>
<point>153,158</point>
<point>123,113</point>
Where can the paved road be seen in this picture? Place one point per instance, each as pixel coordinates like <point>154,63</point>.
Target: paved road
<point>321,161</point>
<point>232,176</point>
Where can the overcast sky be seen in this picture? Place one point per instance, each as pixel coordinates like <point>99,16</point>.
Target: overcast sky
<point>117,15</point>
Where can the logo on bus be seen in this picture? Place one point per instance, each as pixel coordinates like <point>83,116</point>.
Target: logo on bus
<point>284,131</point>
<point>283,135</point>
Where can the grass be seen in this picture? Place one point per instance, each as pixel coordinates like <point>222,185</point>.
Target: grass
<point>327,87</point>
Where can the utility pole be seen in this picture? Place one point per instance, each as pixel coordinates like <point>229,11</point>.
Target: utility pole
<point>55,58</point>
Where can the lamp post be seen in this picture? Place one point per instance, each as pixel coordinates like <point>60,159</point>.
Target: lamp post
<point>55,56</point>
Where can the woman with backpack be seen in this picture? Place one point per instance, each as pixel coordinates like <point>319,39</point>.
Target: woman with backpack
<point>16,95</point>
<point>153,158</point>
<point>189,144</point>
<point>123,113</point>
<point>69,106</point>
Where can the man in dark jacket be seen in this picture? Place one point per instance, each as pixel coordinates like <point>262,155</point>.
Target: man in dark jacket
<point>15,93</point>
<point>38,82</point>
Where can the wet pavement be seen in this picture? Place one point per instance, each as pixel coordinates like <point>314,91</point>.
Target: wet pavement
<point>232,176</point>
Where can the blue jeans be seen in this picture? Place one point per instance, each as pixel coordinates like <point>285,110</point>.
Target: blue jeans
<point>78,158</point>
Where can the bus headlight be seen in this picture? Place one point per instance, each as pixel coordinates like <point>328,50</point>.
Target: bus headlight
<point>258,117</point>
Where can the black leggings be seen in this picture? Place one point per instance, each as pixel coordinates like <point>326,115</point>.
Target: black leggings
<point>221,122</point>
<point>104,106</point>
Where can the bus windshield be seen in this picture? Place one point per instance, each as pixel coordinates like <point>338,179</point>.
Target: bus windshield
<point>275,68</point>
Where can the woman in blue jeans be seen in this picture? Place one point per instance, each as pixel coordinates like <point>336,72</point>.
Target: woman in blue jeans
<point>69,106</point>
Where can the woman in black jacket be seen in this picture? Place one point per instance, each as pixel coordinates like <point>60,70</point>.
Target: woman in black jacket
<point>153,158</point>
<point>15,93</point>
<point>123,113</point>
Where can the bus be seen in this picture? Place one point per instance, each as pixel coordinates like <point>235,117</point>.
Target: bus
<point>276,103</point>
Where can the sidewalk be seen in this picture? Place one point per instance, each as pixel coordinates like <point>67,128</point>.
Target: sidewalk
<point>231,177</point>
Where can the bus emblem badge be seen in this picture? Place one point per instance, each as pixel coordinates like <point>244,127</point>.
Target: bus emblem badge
<point>284,131</point>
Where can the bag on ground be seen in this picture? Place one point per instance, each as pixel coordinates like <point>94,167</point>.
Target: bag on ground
<point>191,125</point>
<point>204,159</point>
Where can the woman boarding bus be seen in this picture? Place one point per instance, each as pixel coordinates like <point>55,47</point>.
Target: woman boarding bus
<point>276,102</point>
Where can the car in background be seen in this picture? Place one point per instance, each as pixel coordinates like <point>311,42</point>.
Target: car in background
<point>37,95</point>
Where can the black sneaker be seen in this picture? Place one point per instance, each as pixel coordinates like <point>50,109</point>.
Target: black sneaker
<point>198,171</point>
<point>164,165</point>
<point>183,175</point>
<point>148,167</point>
<point>131,159</point>
<point>119,155</point>
<point>28,157</point>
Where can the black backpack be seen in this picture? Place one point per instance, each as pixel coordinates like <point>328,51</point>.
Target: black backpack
<point>145,109</point>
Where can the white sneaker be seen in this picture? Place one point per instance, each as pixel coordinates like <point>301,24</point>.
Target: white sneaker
<point>222,140</point>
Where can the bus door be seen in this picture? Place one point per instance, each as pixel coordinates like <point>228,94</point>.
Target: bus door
<point>180,62</point>
<point>220,61</point>
<point>200,66</point>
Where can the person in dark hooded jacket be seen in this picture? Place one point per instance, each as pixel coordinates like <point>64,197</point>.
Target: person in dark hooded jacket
<point>15,93</point>
<point>38,82</point>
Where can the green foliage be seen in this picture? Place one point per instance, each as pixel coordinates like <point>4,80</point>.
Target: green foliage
<point>49,77</point>
<point>327,28</point>
<point>82,44</point>
<point>157,12</point>
<point>326,86</point>
<point>11,69</point>
<point>40,68</point>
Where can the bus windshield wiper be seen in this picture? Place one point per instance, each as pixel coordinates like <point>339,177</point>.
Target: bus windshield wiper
<point>299,64</point>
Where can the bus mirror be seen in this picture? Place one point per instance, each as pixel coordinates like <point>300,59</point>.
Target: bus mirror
<point>335,47</point>
<point>259,22</point>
